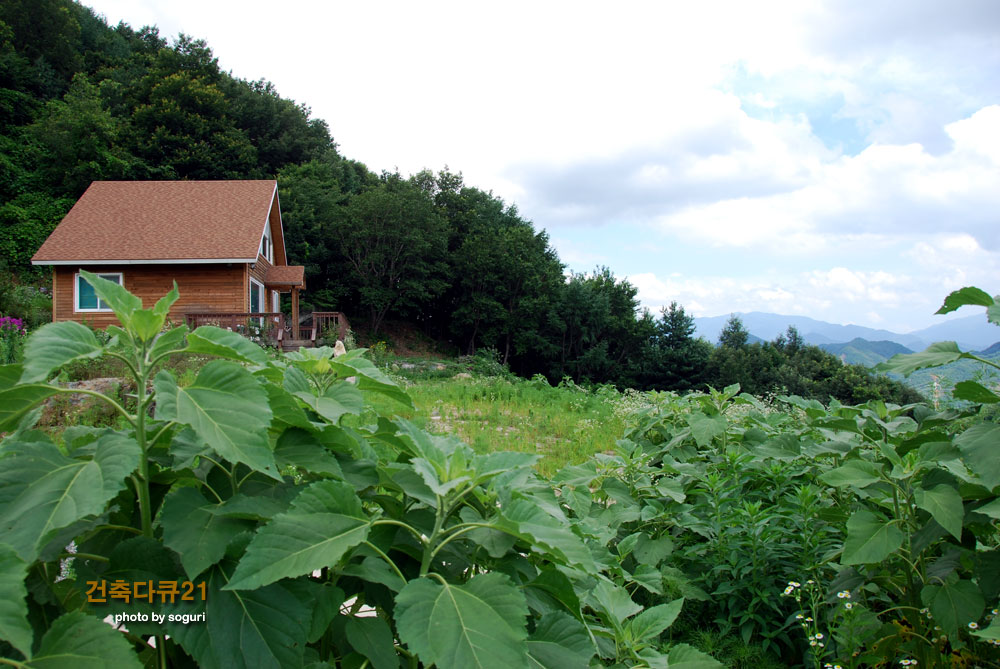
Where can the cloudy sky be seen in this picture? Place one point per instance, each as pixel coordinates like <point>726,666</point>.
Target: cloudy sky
<point>839,160</point>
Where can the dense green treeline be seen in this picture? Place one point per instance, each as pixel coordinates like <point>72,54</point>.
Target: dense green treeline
<point>81,101</point>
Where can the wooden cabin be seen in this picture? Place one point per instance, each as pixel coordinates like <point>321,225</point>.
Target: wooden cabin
<point>221,241</point>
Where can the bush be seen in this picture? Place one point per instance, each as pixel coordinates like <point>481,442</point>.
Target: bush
<point>12,336</point>
<point>486,362</point>
<point>31,304</point>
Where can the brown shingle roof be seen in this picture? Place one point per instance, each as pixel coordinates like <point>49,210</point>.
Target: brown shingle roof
<point>286,275</point>
<point>162,221</point>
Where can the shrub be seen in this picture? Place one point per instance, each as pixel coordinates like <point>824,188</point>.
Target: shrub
<point>12,336</point>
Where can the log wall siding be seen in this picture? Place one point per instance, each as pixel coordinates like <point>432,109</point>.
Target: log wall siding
<point>202,288</point>
<point>259,270</point>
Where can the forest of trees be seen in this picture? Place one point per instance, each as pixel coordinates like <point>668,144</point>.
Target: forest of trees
<point>81,101</point>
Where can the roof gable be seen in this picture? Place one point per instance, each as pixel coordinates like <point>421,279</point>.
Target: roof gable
<point>163,221</point>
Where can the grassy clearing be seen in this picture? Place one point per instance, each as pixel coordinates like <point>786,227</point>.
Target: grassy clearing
<point>473,399</point>
<point>566,424</point>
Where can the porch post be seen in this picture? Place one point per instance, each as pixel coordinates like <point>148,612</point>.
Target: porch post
<point>295,312</point>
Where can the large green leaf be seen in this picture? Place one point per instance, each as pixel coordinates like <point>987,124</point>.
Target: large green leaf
<point>560,642</point>
<point>705,428</point>
<point>683,656</point>
<point>17,400</point>
<point>302,450</point>
<point>525,519</point>
<point>327,600</point>
<point>971,391</point>
<point>146,324</point>
<point>991,632</point>
<point>934,355</point>
<point>324,522</point>
<point>954,604</point>
<point>480,624</point>
<point>79,641</point>
<point>648,625</point>
<point>491,464</point>
<point>210,340</point>
<point>42,490</point>
<point>226,407</point>
<point>372,638</point>
<point>54,345</point>
<point>437,478</point>
<point>286,408</point>
<point>944,503</point>
<point>869,539</point>
<point>256,507</point>
<point>556,585</point>
<point>162,306</point>
<point>171,340</point>
<point>992,509</point>
<point>340,399</point>
<point>614,602</point>
<point>857,473</point>
<point>14,627</point>
<point>980,447</point>
<point>193,528</point>
<point>375,570</point>
<point>970,295</point>
<point>781,447</point>
<point>369,377</point>
<point>262,629</point>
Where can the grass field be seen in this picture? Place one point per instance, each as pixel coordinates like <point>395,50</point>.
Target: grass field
<point>565,424</point>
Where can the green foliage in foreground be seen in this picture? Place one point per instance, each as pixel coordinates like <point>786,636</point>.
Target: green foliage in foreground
<point>858,535</point>
<point>249,483</point>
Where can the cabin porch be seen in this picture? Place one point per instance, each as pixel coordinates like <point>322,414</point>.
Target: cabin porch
<point>274,328</point>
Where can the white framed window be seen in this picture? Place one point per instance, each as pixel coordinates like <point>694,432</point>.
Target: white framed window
<point>256,296</point>
<point>85,297</point>
<point>266,248</point>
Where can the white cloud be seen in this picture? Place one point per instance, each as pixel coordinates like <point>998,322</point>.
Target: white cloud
<point>900,302</point>
<point>850,150</point>
<point>887,190</point>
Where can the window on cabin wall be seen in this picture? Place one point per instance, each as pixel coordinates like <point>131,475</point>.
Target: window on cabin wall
<point>266,248</point>
<point>257,300</point>
<point>256,296</point>
<point>85,297</point>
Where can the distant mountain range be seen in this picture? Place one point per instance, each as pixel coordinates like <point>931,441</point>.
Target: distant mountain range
<point>860,351</point>
<point>855,344</point>
<point>972,333</point>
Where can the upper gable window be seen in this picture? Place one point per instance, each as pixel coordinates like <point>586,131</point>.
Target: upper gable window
<point>266,247</point>
<point>86,298</point>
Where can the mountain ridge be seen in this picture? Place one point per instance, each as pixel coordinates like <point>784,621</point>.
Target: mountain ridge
<point>972,333</point>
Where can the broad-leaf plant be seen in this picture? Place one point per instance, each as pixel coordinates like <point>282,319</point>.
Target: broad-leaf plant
<point>308,529</point>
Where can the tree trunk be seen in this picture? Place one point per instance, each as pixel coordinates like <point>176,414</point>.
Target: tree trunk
<point>471,350</point>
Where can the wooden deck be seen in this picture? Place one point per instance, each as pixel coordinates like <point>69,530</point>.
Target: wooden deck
<point>273,328</point>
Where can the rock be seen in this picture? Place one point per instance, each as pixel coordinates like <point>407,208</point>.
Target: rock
<point>463,375</point>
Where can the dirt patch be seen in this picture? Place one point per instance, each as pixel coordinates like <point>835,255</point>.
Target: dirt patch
<point>79,408</point>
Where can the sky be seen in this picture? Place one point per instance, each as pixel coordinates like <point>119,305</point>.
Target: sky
<point>838,160</point>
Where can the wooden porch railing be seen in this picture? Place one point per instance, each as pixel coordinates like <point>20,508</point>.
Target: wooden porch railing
<point>256,326</point>
<point>324,320</point>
